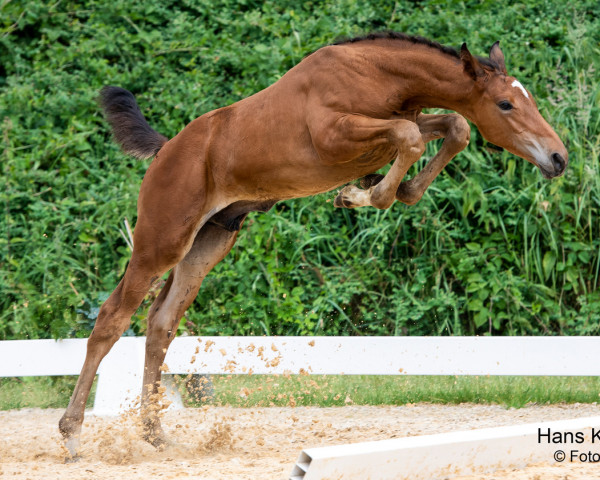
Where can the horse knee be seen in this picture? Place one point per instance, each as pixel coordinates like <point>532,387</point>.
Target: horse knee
<point>407,136</point>
<point>459,131</point>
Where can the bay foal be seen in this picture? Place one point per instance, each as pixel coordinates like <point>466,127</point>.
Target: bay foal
<point>342,113</point>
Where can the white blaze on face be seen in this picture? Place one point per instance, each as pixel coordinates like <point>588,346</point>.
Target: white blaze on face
<point>518,85</point>
<point>537,148</point>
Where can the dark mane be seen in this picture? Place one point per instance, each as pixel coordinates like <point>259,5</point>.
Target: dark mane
<point>391,35</point>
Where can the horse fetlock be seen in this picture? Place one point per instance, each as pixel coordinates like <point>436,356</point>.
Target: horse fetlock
<point>370,180</point>
<point>70,429</point>
<point>69,426</point>
<point>382,198</point>
<point>408,193</point>
<point>153,432</point>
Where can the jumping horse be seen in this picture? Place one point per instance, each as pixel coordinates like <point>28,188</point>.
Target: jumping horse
<point>342,113</point>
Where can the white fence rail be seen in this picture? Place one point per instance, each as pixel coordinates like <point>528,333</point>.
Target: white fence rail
<point>120,374</point>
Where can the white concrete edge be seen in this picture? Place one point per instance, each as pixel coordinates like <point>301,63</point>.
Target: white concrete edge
<point>445,455</point>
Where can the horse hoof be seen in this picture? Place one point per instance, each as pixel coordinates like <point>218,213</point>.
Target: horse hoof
<point>72,458</point>
<point>72,448</point>
<point>158,440</point>
<point>341,201</point>
<point>370,180</point>
<point>160,444</point>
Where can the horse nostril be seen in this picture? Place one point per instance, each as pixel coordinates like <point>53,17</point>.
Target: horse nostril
<point>559,162</point>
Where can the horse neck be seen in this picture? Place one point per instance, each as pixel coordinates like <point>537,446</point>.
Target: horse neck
<point>427,78</point>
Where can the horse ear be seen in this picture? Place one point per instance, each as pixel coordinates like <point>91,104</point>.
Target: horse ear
<point>470,63</point>
<point>497,57</point>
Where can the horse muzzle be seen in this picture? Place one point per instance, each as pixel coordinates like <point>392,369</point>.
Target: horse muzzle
<point>555,166</point>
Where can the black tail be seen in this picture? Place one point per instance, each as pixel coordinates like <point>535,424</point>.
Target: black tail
<point>130,128</point>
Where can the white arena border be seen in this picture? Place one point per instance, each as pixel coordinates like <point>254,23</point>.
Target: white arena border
<point>442,456</point>
<point>120,381</point>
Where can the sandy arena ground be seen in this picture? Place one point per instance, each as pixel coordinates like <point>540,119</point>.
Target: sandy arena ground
<point>240,443</point>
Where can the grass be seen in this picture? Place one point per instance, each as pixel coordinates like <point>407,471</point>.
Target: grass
<point>38,392</point>
<point>327,391</point>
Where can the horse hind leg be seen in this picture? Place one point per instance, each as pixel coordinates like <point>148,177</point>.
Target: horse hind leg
<point>113,319</point>
<point>210,246</point>
<point>156,250</point>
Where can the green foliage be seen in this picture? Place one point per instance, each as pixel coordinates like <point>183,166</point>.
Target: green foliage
<point>341,390</point>
<point>333,390</point>
<point>40,392</point>
<point>492,248</point>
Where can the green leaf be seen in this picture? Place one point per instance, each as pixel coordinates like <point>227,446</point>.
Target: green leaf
<point>548,263</point>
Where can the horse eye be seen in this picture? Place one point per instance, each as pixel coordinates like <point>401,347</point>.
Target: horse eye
<point>504,105</point>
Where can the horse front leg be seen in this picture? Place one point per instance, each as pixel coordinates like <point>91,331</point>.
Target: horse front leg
<point>406,137</point>
<point>456,133</point>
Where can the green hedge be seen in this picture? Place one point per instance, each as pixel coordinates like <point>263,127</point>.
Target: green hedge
<point>491,248</point>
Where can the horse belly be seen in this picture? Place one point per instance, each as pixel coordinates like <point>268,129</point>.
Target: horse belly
<point>298,176</point>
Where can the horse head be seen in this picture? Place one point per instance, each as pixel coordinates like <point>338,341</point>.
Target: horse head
<point>506,114</point>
